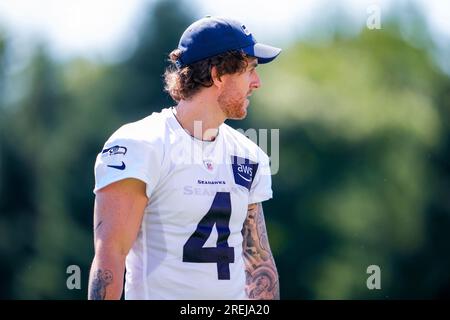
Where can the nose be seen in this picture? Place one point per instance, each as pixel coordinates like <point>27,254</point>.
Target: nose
<point>256,81</point>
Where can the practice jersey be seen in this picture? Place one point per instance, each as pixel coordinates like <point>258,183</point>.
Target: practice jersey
<point>190,241</point>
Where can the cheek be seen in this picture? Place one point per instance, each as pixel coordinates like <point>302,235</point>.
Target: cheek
<point>237,90</point>
<point>243,87</point>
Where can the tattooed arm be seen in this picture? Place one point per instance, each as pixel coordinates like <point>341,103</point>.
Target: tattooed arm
<point>118,212</point>
<point>260,270</point>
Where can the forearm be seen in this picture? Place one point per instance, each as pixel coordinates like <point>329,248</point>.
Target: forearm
<point>262,280</point>
<point>106,276</point>
<point>261,273</point>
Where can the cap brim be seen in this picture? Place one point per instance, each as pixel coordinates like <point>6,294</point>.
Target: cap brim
<point>263,52</point>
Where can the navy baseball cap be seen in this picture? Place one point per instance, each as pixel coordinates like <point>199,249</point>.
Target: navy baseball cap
<point>211,36</point>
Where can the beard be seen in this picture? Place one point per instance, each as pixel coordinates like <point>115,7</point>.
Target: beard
<point>232,103</point>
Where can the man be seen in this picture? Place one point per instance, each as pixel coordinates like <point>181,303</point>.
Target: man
<point>178,194</point>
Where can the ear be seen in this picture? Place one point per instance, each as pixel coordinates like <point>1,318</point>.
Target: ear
<point>217,81</point>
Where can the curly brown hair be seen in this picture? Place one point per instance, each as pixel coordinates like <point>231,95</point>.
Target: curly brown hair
<point>184,83</point>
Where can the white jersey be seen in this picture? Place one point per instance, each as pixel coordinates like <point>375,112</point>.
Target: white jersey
<point>190,242</point>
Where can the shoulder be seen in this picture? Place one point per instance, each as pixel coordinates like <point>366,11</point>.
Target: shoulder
<point>147,131</point>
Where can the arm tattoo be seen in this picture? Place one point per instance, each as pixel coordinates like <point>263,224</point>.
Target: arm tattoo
<point>261,272</point>
<point>101,279</point>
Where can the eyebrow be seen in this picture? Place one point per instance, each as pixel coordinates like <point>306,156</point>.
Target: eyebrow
<point>254,64</point>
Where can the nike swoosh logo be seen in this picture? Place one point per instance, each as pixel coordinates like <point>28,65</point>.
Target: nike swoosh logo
<point>248,180</point>
<point>121,167</point>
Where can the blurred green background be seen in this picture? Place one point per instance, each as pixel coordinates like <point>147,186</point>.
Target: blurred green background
<point>364,175</point>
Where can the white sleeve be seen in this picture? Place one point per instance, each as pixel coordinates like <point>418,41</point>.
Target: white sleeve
<point>123,158</point>
<point>261,189</point>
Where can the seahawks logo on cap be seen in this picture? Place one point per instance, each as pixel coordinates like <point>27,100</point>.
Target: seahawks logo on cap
<point>244,28</point>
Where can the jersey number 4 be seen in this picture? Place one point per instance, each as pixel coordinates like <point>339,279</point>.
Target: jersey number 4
<point>223,255</point>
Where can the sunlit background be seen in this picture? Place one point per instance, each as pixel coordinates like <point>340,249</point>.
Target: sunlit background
<point>363,114</point>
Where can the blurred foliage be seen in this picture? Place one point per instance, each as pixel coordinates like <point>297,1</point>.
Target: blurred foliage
<point>364,151</point>
<point>364,160</point>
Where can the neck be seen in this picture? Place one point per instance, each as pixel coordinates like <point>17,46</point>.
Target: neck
<point>200,117</point>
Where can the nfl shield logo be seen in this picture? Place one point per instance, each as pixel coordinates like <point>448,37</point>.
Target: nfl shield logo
<point>208,165</point>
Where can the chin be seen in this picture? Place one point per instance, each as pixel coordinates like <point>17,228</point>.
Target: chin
<point>244,113</point>
<point>239,115</point>
<point>236,110</point>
